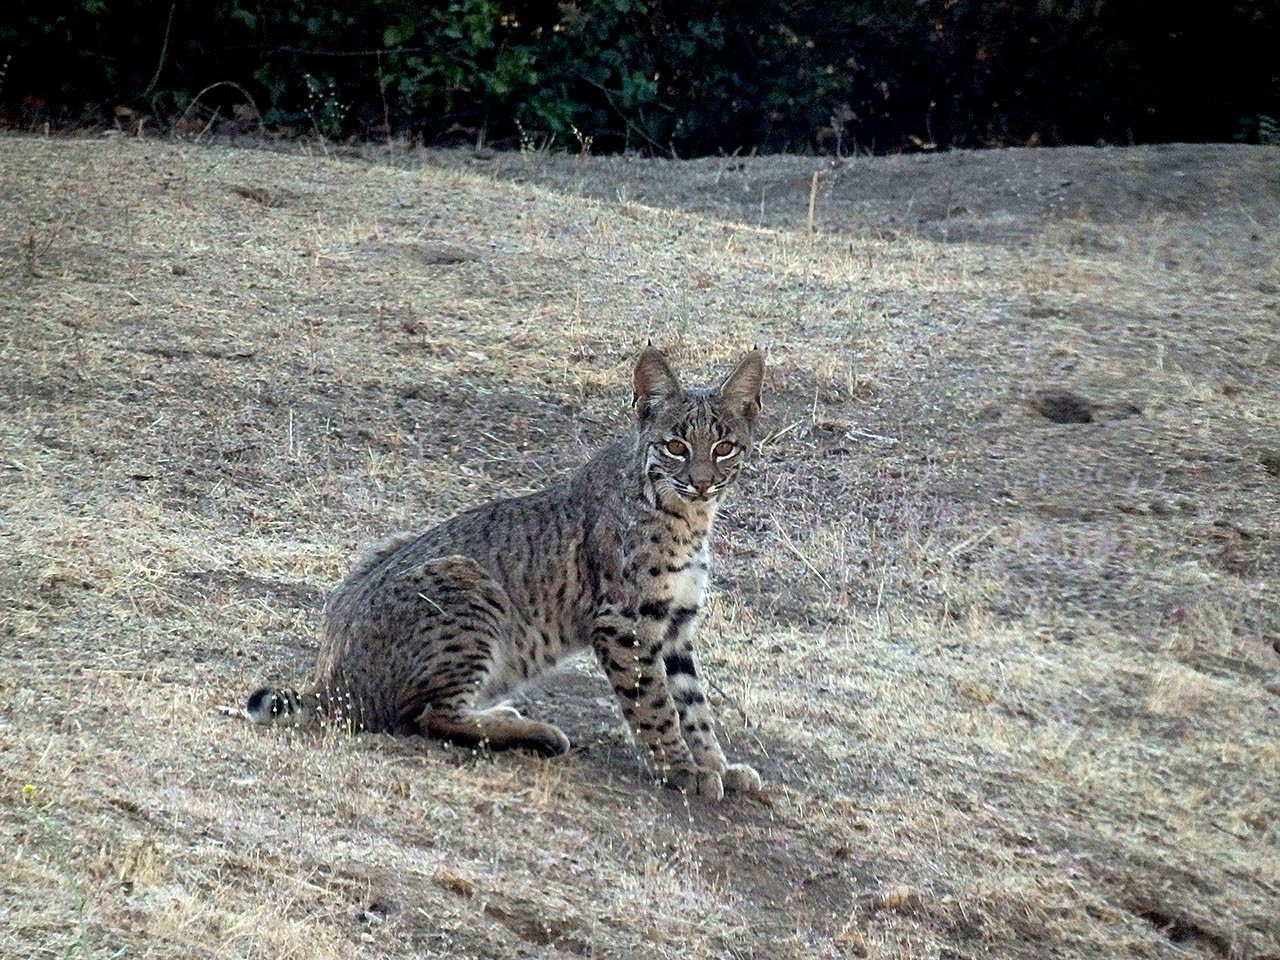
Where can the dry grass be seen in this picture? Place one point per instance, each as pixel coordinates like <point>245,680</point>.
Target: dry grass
<point>1012,683</point>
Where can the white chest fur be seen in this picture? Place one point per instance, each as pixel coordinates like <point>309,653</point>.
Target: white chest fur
<point>687,587</point>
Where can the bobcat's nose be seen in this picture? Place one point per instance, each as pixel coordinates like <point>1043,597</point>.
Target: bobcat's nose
<point>702,486</point>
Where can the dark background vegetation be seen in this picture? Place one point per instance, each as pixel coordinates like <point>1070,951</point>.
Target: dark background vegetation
<point>669,78</point>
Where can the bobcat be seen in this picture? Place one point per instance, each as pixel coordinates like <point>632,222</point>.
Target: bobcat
<point>428,630</point>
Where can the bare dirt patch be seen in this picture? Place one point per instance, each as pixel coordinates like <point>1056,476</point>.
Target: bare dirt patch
<point>1011,677</point>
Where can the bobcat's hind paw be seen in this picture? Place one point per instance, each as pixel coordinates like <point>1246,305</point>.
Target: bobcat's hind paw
<point>696,782</point>
<point>546,740</point>
<point>741,778</point>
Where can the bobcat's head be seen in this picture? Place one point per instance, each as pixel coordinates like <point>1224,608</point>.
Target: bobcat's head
<point>695,439</point>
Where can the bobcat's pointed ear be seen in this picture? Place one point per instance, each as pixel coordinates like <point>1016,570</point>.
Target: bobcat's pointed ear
<point>653,380</point>
<point>741,390</point>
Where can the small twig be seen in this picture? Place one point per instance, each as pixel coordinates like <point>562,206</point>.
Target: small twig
<point>1229,833</point>
<point>348,53</point>
<point>35,250</point>
<point>778,434</point>
<point>813,202</point>
<point>386,110</point>
<point>216,113</point>
<point>625,119</point>
<point>972,541</point>
<point>213,86</point>
<point>732,700</point>
<point>791,545</point>
<point>879,439</point>
<point>733,156</point>
<point>164,53</point>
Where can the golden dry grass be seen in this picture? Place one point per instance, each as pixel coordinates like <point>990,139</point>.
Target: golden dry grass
<point>1012,683</point>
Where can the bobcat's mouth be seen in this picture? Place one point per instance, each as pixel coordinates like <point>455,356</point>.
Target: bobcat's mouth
<point>664,482</point>
<point>694,495</point>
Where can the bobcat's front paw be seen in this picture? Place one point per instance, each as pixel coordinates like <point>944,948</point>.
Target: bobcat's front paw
<point>697,782</point>
<point>740,778</point>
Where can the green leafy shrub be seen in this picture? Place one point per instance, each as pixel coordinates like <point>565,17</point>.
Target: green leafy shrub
<point>696,77</point>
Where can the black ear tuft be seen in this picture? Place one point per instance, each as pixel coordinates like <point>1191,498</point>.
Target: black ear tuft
<point>653,380</point>
<point>742,389</point>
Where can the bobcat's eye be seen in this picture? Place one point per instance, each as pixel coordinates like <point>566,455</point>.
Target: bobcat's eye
<point>724,450</point>
<point>676,448</point>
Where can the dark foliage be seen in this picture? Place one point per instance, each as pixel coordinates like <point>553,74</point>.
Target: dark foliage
<point>695,77</point>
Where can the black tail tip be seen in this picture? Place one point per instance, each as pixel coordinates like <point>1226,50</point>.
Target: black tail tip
<point>264,705</point>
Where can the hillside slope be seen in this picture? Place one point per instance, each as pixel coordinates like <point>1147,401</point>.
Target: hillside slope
<point>1011,678</point>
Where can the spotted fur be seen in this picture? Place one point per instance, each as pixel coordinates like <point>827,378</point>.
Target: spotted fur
<point>429,630</point>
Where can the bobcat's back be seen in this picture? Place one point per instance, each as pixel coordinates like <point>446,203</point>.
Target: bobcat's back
<point>519,566</point>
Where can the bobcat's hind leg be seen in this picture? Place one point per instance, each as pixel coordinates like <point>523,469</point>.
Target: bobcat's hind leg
<point>464,617</point>
<point>497,728</point>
